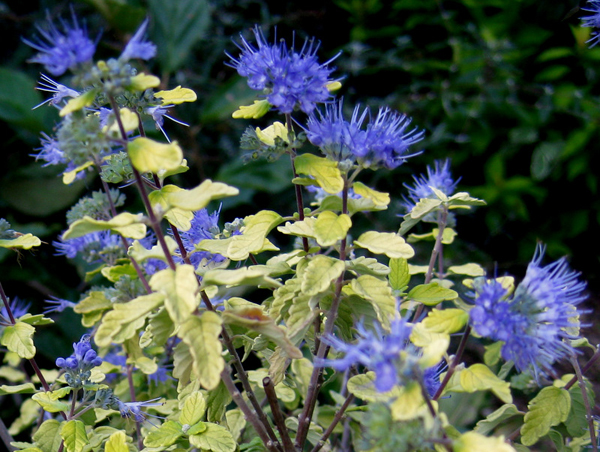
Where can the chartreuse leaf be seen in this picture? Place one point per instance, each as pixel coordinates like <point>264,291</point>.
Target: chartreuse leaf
<point>201,335</point>
<point>467,269</point>
<point>49,400</point>
<point>126,224</point>
<point>116,272</point>
<point>240,277</point>
<point>464,200</point>
<point>141,254</point>
<point>117,442</point>
<point>180,289</point>
<point>70,176</point>
<point>47,437</point>
<point>549,408</point>
<point>74,436</point>
<point>433,345</point>
<point>496,418</point>
<point>325,172</point>
<point>92,307</point>
<point>18,338</point>
<point>410,403</point>
<point>367,266</point>
<point>129,120</point>
<point>198,197</point>
<point>193,409</point>
<point>136,356</point>
<point>151,156</point>
<point>23,241</point>
<point>399,276</point>
<point>255,230</point>
<point>363,387</point>
<point>142,82</point>
<point>215,438</point>
<point>474,442</point>
<point>258,109</point>
<point>253,318</point>
<point>479,377</point>
<point>77,103</point>
<point>379,293</point>
<point>330,228</point>
<point>304,228</point>
<point>124,321</point>
<point>320,272</point>
<point>423,207</point>
<point>180,218</point>
<point>379,199</point>
<point>269,134</point>
<point>388,243</point>
<point>176,96</point>
<point>25,388</point>
<point>164,436</point>
<point>431,294</point>
<point>446,320</point>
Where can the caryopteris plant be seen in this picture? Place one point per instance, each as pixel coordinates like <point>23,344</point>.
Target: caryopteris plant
<point>351,341</point>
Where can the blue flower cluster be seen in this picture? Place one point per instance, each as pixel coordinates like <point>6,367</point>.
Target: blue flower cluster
<point>384,142</point>
<point>593,21</point>
<point>78,366</point>
<point>439,178</point>
<point>535,324</point>
<point>290,79</point>
<point>96,247</point>
<point>205,226</point>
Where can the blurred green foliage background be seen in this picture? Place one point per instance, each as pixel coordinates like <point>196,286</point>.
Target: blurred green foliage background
<point>507,89</point>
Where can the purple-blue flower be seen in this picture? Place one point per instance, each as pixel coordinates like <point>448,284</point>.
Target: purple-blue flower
<point>58,305</point>
<point>439,178</point>
<point>378,352</point>
<point>289,79</point>
<point>134,409</point>
<point>59,92</point>
<point>593,21</point>
<point>78,366</point>
<point>18,309</point>
<point>158,114</point>
<point>62,48</point>
<point>383,143</point>
<point>533,322</point>
<point>204,226</point>
<point>50,151</point>
<point>138,47</point>
<point>96,247</point>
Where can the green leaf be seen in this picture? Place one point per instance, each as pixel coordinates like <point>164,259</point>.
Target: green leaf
<point>151,156</point>
<point>166,435</point>
<point>195,429</point>
<point>497,418</point>
<point>255,230</point>
<point>215,438</point>
<point>463,199</point>
<point>180,289</point>
<point>431,294</point>
<point>245,276</point>
<point>160,328</point>
<point>258,109</point>
<point>74,436</point>
<point>467,269</point>
<point>25,388</point>
<point>77,103</point>
<point>193,409</point>
<point>141,254</point>
<point>379,293</point>
<point>363,387</point>
<point>549,408</point>
<point>399,275</point>
<point>254,319</point>
<point>367,266</point>
<point>18,338</point>
<point>96,301</point>
<point>198,197</point>
<point>180,218</point>
<point>124,321</point>
<point>304,228</point>
<point>492,353</point>
<point>23,241</point>
<point>388,243</point>
<point>49,401</point>
<point>178,27</point>
<point>126,224</point>
<point>330,228</point>
<point>479,377</point>
<point>446,320</point>
<point>423,207</point>
<point>117,442</point>
<point>319,274</point>
<point>577,423</point>
<point>116,272</point>
<point>379,199</point>
<point>201,335</point>
<point>325,172</point>
<point>47,437</point>
<point>474,442</point>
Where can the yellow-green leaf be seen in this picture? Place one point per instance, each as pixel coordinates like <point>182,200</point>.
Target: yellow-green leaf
<point>140,253</point>
<point>126,224</point>
<point>388,243</point>
<point>74,436</point>
<point>304,228</point>
<point>198,198</point>
<point>25,388</point>
<point>201,335</point>
<point>180,289</point>
<point>244,276</point>
<point>446,320</point>
<point>116,272</point>
<point>399,276</point>
<point>549,408</point>
<point>47,437</point>
<point>215,438</point>
<point>117,442</point>
<point>479,377</point>
<point>379,293</point>
<point>268,135</point>
<point>77,103</point>
<point>423,207</point>
<point>124,321</point>
<point>164,436</point>
<point>23,241</point>
<point>18,338</point>
<point>253,318</point>
<point>474,442</point>
<point>258,109</point>
<point>180,218</point>
<point>70,176</point>
<point>95,301</point>
<point>410,403</point>
<point>320,272</point>
<point>176,96</point>
<point>467,269</point>
<point>151,156</point>
<point>49,401</point>
<point>129,120</point>
<point>363,387</point>
<point>496,418</point>
<point>330,228</point>
<point>431,294</point>
<point>463,199</point>
<point>325,172</point>
<point>255,230</point>
<point>193,409</point>
<point>378,198</point>
<point>142,82</point>
<point>367,266</point>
